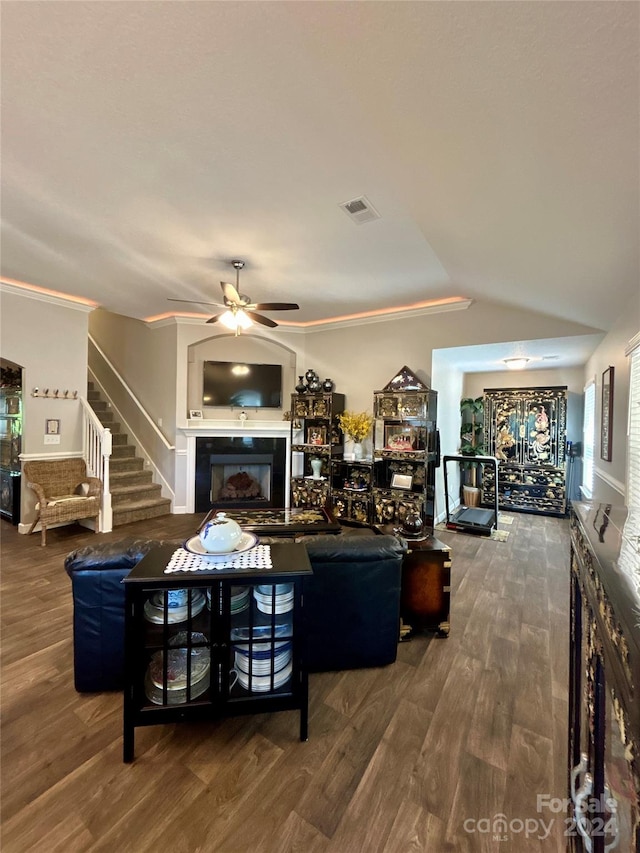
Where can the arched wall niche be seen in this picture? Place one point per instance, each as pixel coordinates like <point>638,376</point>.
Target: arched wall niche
<point>251,349</point>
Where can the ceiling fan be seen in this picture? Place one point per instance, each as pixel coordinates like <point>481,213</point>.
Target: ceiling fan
<point>240,311</point>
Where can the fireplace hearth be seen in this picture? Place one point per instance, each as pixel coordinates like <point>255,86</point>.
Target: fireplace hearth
<point>240,472</point>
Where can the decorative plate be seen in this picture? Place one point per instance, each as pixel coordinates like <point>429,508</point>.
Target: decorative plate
<point>195,546</point>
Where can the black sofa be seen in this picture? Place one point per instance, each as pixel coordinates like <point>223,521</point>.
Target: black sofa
<point>352,604</point>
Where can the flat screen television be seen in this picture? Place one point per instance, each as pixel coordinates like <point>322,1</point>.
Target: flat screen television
<point>241,385</point>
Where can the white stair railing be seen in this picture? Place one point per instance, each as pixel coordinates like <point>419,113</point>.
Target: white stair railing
<point>97,444</point>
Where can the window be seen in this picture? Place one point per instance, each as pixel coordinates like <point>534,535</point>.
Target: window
<point>588,438</point>
<point>633,447</point>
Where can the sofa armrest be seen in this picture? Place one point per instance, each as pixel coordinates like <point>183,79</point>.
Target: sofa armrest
<point>352,601</point>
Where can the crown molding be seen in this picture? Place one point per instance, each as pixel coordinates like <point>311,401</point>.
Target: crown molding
<point>313,326</point>
<point>41,294</point>
<point>370,319</point>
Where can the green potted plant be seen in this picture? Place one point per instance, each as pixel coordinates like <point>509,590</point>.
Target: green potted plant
<point>471,444</point>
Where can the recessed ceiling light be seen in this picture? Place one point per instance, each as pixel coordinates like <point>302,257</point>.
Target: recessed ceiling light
<point>515,363</point>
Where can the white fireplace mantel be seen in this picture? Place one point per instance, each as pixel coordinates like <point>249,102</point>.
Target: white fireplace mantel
<point>231,429</point>
<point>234,427</point>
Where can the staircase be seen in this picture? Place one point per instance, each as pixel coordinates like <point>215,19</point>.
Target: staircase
<point>134,497</point>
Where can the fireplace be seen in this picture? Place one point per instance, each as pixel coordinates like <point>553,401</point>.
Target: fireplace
<point>239,472</point>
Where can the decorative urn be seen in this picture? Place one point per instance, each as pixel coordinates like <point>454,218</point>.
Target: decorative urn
<point>221,535</point>
<point>412,526</point>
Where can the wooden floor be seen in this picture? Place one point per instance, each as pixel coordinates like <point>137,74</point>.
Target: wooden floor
<point>419,755</point>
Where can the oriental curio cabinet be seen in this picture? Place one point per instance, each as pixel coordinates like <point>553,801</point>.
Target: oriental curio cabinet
<point>406,451</point>
<point>525,430</point>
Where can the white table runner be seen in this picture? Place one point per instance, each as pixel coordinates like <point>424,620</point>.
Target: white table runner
<point>184,561</point>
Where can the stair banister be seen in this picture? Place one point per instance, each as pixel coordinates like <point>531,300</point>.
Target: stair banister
<point>97,446</point>
<point>133,397</point>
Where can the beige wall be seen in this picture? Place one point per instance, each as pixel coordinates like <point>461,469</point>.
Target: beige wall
<point>48,338</point>
<point>610,477</point>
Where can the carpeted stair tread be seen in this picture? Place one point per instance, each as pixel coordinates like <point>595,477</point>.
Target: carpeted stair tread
<point>123,451</point>
<point>126,494</point>
<point>126,464</point>
<point>139,510</point>
<point>130,478</point>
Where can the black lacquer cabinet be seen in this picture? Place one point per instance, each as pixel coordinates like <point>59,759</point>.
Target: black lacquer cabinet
<point>525,430</point>
<point>604,689</point>
<point>201,644</point>
<point>406,450</point>
<point>316,439</point>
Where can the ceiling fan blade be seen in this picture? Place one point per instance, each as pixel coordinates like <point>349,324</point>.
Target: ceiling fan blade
<point>194,302</point>
<point>258,318</point>
<point>214,319</point>
<point>230,293</point>
<point>276,306</point>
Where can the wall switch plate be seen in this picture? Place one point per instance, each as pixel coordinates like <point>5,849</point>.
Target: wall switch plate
<point>52,439</point>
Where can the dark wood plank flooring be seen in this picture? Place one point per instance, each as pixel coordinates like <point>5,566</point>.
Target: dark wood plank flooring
<point>421,755</point>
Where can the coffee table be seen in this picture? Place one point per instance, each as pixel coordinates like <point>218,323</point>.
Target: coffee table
<point>296,521</point>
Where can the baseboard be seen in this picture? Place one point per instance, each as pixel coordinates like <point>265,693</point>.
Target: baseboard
<point>89,523</point>
<point>442,516</point>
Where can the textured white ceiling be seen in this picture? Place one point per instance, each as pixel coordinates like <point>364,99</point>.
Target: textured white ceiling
<point>145,145</point>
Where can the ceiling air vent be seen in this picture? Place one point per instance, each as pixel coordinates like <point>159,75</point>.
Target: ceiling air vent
<point>360,210</point>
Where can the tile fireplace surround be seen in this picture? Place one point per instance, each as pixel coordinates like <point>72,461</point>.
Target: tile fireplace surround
<point>231,429</point>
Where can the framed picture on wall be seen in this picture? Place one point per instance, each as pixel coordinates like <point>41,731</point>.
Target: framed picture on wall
<point>606,425</point>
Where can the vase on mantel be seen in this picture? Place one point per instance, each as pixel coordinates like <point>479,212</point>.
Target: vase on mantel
<point>357,450</point>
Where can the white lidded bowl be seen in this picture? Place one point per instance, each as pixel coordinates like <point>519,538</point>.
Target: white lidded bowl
<point>221,535</point>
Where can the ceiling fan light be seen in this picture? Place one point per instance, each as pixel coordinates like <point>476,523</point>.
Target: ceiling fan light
<point>516,363</point>
<point>243,320</point>
<point>235,320</point>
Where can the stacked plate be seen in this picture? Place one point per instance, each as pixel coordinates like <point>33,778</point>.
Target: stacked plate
<point>177,605</point>
<point>259,657</point>
<point>267,602</point>
<point>258,632</point>
<point>172,665</point>
<point>264,683</point>
<point>240,598</point>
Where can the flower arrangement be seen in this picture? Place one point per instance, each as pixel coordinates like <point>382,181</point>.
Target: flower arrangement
<point>357,425</point>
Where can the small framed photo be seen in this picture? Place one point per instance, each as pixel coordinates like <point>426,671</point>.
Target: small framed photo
<point>316,435</point>
<point>52,426</point>
<point>401,481</point>
<point>195,414</point>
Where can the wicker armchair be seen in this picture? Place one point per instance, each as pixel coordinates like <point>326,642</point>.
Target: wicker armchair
<point>65,492</point>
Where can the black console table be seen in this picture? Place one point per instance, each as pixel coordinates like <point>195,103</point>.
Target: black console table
<point>206,643</point>
<point>604,690</point>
